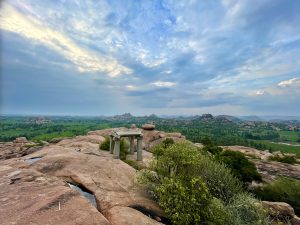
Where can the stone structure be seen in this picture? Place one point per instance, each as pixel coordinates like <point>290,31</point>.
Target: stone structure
<point>115,138</point>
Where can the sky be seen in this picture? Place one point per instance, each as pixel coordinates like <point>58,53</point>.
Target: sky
<point>107,57</point>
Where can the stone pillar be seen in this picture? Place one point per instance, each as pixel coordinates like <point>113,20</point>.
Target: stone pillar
<point>131,139</point>
<point>116,148</point>
<point>139,149</point>
<point>111,145</point>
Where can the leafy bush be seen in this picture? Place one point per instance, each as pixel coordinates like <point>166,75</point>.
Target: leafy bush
<point>184,203</point>
<point>241,167</point>
<point>282,190</point>
<point>246,210</point>
<point>206,141</point>
<point>105,145</point>
<point>284,159</point>
<point>193,188</point>
<point>179,159</point>
<point>215,150</point>
<point>124,148</point>
<point>158,150</point>
<point>219,179</point>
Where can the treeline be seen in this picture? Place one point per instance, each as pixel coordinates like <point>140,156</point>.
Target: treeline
<point>221,132</point>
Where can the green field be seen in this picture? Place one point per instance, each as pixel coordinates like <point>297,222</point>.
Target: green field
<point>289,136</point>
<point>280,147</point>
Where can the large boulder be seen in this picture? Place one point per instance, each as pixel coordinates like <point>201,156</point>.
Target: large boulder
<point>154,137</point>
<point>34,188</point>
<point>29,197</point>
<point>281,208</point>
<point>148,126</point>
<point>21,140</point>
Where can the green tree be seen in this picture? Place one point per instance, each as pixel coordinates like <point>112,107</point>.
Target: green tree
<point>240,165</point>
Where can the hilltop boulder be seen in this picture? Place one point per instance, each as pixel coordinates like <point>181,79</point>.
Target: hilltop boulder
<point>148,126</point>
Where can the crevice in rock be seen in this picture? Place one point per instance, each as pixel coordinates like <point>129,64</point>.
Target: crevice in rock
<point>152,214</point>
<point>33,159</point>
<point>89,195</point>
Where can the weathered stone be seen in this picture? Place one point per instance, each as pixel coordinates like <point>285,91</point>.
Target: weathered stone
<point>284,209</point>
<point>295,220</point>
<point>29,197</point>
<point>21,140</point>
<point>119,215</point>
<point>33,192</point>
<point>148,126</point>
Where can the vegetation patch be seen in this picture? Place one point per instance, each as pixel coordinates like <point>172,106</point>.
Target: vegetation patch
<point>105,145</point>
<point>284,159</point>
<point>135,164</point>
<point>282,190</point>
<point>194,188</point>
<point>241,167</point>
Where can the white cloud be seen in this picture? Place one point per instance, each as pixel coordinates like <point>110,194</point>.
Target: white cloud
<point>164,84</point>
<point>260,92</point>
<point>131,87</point>
<point>85,60</point>
<point>290,82</point>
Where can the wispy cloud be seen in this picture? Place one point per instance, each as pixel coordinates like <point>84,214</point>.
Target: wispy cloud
<point>85,60</point>
<point>290,82</point>
<point>164,84</point>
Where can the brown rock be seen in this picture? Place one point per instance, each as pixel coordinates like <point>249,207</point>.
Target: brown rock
<point>29,197</point>
<point>119,215</point>
<point>284,209</point>
<point>32,192</point>
<point>148,126</point>
<point>295,220</point>
<point>21,140</point>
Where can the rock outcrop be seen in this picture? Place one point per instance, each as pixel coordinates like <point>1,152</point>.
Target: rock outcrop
<point>269,170</point>
<point>281,211</point>
<point>17,148</point>
<point>34,188</point>
<point>148,126</point>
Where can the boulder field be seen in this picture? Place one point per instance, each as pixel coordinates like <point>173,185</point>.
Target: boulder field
<point>34,187</point>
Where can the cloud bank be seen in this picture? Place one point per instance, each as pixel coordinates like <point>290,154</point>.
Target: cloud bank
<point>159,56</point>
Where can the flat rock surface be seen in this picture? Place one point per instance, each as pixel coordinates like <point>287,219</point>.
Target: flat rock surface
<point>36,191</point>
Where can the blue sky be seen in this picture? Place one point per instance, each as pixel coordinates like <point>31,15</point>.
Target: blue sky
<point>87,57</point>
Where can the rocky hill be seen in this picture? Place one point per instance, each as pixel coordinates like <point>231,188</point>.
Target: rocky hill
<point>73,182</point>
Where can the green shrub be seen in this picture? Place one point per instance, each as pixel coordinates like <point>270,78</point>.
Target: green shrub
<point>219,179</point>
<point>246,210</point>
<point>158,149</point>
<point>284,159</point>
<point>168,142</point>
<point>206,141</point>
<point>194,188</point>
<point>241,167</point>
<point>179,159</point>
<point>184,203</point>
<point>135,164</point>
<point>183,159</point>
<point>124,148</point>
<point>215,150</point>
<point>105,145</point>
<point>282,190</point>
